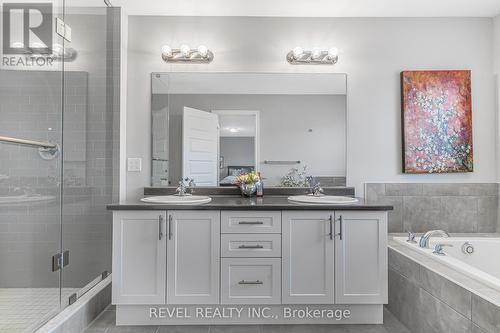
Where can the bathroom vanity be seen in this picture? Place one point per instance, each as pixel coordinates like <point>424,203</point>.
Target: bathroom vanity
<point>249,261</point>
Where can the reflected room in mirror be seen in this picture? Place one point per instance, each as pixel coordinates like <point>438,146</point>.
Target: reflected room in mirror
<point>212,127</point>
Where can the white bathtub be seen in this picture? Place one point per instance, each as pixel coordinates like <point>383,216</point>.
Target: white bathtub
<point>483,264</point>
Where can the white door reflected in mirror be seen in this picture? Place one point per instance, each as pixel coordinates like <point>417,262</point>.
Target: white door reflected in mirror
<point>200,141</point>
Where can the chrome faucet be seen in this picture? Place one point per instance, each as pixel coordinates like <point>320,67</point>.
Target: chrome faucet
<point>424,240</point>
<point>438,249</point>
<point>314,188</point>
<point>185,187</point>
<point>317,190</point>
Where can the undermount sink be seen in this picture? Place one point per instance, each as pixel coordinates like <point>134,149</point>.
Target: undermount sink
<point>178,199</point>
<point>322,199</point>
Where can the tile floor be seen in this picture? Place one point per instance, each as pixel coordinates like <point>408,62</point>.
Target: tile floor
<point>24,309</point>
<point>105,323</point>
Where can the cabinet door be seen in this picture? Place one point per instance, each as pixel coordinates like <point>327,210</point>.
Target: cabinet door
<point>361,257</point>
<point>308,254</point>
<point>139,257</point>
<point>193,257</point>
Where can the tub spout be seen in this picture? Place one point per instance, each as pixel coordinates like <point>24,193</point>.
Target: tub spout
<point>424,240</point>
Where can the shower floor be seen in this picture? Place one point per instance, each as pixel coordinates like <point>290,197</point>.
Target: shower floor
<point>24,309</point>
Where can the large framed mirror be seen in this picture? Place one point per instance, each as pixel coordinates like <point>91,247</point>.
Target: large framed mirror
<point>211,127</point>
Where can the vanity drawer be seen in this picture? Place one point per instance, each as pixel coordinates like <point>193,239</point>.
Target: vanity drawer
<point>251,245</point>
<point>251,281</point>
<point>251,222</point>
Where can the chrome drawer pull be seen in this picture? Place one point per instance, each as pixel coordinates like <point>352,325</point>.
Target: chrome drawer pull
<point>250,222</point>
<point>250,247</point>
<point>250,282</point>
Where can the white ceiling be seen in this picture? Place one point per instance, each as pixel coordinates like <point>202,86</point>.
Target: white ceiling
<point>236,125</point>
<point>313,8</point>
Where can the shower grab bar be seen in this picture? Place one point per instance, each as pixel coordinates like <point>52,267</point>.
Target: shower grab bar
<point>281,162</point>
<point>46,150</point>
<point>30,143</point>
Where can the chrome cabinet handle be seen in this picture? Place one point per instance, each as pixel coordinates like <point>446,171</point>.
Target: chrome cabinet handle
<point>250,247</point>
<point>170,227</point>
<point>340,232</point>
<point>160,231</point>
<point>250,282</point>
<point>331,227</point>
<point>250,222</point>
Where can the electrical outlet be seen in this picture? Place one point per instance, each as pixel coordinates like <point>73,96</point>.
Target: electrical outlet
<point>134,164</point>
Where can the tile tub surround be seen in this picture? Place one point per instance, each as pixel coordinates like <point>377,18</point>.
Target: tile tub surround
<point>454,207</point>
<point>428,296</point>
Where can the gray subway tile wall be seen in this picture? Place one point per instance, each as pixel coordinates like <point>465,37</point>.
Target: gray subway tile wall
<point>457,207</point>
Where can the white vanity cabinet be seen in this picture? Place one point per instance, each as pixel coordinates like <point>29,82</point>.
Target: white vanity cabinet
<point>193,257</point>
<point>341,253</point>
<point>361,257</point>
<point>139,257</point>
<point>275,257</point>
<point>307,257</point>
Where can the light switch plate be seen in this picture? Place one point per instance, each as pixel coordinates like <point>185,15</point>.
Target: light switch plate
<point>63,30</point>
<point>60,27</point>
<point>134,164</point>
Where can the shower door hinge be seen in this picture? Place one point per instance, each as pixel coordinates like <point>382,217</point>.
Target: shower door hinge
<point>72,298</point>
<point>60,260</point>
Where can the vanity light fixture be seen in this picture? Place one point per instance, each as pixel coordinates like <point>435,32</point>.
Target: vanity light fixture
<point>186,54</point>
<point>316,56</point>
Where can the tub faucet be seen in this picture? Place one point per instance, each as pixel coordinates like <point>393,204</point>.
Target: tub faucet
<point>424,240</point>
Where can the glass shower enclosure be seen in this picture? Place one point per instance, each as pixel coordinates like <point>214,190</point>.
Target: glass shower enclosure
<point>59,118</point>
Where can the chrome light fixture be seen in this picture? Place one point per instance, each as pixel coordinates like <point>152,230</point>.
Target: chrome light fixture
<point>316,56</point>
<point>186,54</point>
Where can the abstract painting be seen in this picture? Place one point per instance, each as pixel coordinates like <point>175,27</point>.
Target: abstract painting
<point>437,121</point>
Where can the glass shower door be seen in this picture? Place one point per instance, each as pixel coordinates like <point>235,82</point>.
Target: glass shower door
<point>90,137</point>
<point>31,105</point>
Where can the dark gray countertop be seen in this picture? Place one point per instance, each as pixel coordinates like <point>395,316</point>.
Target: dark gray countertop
<point>240,203</point>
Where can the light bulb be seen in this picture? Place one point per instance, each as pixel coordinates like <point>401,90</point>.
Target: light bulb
<point>297,52</point>
<point>333,52</point>
<point>202,50</point>
<point>166,51</point>
<point>185,50</point>
<point>316,53</point>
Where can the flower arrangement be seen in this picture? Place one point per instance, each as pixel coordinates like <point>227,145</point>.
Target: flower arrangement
<point>247,178</point>
<point>248,183</point>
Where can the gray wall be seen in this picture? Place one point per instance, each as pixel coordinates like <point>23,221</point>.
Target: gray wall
<point>284,124</point>
<point>452,207</point>
<point>237,151</point>
<point>373,52</point>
